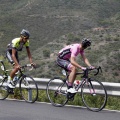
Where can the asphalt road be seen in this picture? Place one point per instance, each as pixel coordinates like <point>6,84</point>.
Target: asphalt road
<point>20,110</point>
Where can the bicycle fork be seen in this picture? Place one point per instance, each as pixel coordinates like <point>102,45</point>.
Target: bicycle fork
<point>90,87</point>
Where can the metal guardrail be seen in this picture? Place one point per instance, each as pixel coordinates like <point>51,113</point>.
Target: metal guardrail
<point>113,89</point>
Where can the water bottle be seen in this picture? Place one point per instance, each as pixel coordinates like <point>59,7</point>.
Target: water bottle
<point>76,83</point>
<point>15,80</point>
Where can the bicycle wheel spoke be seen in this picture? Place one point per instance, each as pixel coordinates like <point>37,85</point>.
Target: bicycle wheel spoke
<point>56,92</point>
<point>3,89</point>
<point>29,89</point>
<point>94,95</point>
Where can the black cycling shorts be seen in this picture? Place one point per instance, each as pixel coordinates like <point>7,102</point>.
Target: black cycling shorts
<point>9,56</point>
<point>63,63</point>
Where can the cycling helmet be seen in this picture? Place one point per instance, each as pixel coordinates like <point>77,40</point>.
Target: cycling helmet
<point>25,33</point>
<point>86,43</point>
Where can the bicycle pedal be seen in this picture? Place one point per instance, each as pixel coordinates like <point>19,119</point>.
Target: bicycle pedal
<point>55,94</point>
<point>6,88</point>
<point>70,96</point>
<point>10,90</point>
<point>71,99</point>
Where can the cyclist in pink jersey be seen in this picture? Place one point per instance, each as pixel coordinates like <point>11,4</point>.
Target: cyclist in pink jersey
<point>67,60</point>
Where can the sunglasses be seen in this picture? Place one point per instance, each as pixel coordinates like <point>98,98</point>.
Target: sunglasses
<point>25,38</point>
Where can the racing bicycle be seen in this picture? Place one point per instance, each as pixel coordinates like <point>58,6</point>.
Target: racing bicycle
<point>92,91</point>
<point>26,84</point>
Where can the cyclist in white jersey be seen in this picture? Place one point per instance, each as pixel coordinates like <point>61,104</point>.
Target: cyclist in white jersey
<point>12,53</point>
<point>67,60</point>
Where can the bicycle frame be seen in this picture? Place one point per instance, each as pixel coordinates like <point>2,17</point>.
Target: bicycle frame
<point>95,99</point>
<point>5,76</point>
<point>20,76</point>
<point>26,84</point>
<point>5,72</point>
<point>85,77</point>
<point>79,85</point>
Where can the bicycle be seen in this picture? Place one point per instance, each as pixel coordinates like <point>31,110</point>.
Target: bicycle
<point>93,92</point>
<point>26,84</point>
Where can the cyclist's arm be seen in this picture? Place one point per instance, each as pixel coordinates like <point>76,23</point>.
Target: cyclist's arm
<point>14,57</point>
<point>73,62</point>
<point>86,61</point>
<point>29,54</point>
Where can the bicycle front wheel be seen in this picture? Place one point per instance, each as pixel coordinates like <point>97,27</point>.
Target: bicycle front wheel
<point>28,89</point>
<point>3,88</point>
<point>56,92</point>
<point>94,95</point>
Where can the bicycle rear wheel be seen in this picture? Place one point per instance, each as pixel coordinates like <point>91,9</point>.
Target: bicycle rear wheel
<point>28,89</point>
<point>3,88</point>
<point>94,95</point>
<point>56,92</point>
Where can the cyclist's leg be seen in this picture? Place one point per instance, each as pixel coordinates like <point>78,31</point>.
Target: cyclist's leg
<point>9,57</point>
<point>63,64</point>
<point>72,75</point>
<point>71,69</point>
<point>12,74</point>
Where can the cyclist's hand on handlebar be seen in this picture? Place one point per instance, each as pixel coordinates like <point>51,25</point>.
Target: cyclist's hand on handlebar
<point>83,68</point>
<point>33,64</point>
<point>91,67</point>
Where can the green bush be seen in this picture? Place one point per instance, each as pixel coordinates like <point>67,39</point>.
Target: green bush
<point>46,53</point>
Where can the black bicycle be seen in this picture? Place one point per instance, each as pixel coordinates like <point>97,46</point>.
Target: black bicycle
<point>26,84</point>
<point>93,92</point>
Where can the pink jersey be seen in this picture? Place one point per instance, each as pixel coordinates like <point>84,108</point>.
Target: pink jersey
<point>70,51</point>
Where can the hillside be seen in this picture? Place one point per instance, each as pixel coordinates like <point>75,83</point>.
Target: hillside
<point>48,20</point>
<point>54,23</point>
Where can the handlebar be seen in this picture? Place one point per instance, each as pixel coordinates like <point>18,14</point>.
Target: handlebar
<point>29,66</point>
<point>98,69</point>
<point>86,71</point>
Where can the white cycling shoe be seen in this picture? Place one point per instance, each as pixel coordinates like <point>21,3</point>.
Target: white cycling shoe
<point>71,90</point>
<point>11,85</point>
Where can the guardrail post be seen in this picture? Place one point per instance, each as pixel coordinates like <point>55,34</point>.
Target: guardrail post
<point>30,94</point>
